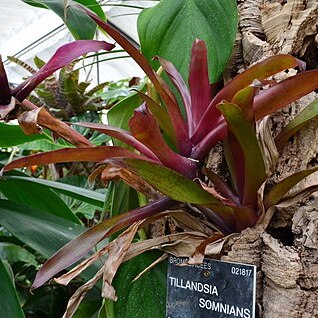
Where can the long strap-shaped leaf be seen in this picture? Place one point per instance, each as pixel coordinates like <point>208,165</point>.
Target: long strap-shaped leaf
<point>282,187</point>
<point>200,88</point>
<point>179,125</point>
<point>91,154</point>
<point>161,116</point>
<point>145,128</point>
<point>285,92</point>
<point>181,86</point>
<point>62,57</point>
<point>169,182</point>
<point>301,120</point>
<point>120,134</point>
<point>72,191</point>
<point>80,246</point>
<point>262,70</point>
<point>265,103</point>
<point>254,173</point>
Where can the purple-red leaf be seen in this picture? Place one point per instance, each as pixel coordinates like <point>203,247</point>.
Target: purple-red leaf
<point>91,154</point>
<point>5,92</point>
<point>145,128</point>
<point>122,135</point>
<point>200,88</point>
<point>221,186</point>
<point>162,88</point>
<point>285,92</point>
<point>80,246</point>
<point>181,86</point>
<point>262,70</point>
<point>62,57</point>
<point>217,133</point>
<point>161,116</point>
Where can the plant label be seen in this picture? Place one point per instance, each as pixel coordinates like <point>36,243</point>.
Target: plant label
<point>213,289</point>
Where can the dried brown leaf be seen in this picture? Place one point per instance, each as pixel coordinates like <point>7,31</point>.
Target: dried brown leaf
<point>216,247</point>
<point>184,247</point>
<point>115,257</point>
<point>188,222</point>
<point>155,263</point>
<point>115,172</point>
<point>45,119</point>
<point>28,121</point>
<point>268,145</point>
<point>66,278</point>
<point>80,293</point>
<point>162,241</point>
<point>6,109</point>
<point>198,255</point>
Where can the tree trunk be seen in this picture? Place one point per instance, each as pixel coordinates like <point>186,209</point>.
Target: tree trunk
<point>286,254</point>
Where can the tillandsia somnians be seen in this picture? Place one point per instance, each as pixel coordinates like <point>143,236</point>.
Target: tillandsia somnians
<point>173,173</point>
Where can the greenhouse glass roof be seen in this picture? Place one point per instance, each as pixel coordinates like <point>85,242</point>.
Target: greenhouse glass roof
<point>27,31</point>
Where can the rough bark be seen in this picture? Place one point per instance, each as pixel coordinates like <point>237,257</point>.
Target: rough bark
<point>286,254</point>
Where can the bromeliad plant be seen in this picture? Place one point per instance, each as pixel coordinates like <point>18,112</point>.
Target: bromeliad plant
<point>173,173</point>
<point>63,94</point>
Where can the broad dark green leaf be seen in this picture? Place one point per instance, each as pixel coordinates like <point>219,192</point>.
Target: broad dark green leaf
<point>301,120</point>
<point>36,195</point>
<point>170,28</point>
<point>124,199</point>
<point>72,191</point>
<point>119,115</point>
<point>87,309</point>
<point>145,297</point>
<point>15,253</point>
<point>43,232</point>
<point>42,145</point>
<point>81,27</point>
<point>254,168</point>
<point>13,135</point>
<point>9,302</point>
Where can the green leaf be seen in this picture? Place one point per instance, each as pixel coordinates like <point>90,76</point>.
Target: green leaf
<point>15,253</point>
<point>9,302</point>
<point>282,187</point>
<point>42,231</point>
<point>254,167</point>
<point>170,28</point>
<point>145,297</point>
<point>36,195</point>
<point>87,309</point>
<point>42,145</point>
<point>119,115</point>
<point>124,199</point>
<point>301,120</point>
<point>169,182</point>
<point>13,135</point>
<point>72,191</point>
<point>81,27</point>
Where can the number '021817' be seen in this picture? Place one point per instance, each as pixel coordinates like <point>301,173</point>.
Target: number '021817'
<point>241,271</point>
